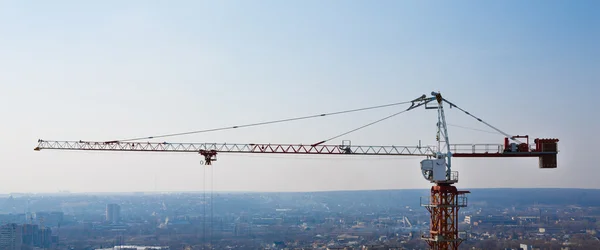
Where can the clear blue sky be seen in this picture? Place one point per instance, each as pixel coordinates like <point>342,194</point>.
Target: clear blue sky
<point>82,70</point>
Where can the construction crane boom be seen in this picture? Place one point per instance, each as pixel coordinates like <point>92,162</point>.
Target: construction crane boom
<point>209,150</point>
<point>458,150</point>
<point>445,199</point>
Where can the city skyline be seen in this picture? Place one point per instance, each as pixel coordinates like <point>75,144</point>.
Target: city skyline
<point>495,219</point>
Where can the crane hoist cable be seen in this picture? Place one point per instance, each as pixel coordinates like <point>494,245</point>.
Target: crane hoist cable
<point>212,191</point>
<point>267,122</point>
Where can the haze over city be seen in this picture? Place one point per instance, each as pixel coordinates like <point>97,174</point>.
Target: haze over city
<point>106,70</point>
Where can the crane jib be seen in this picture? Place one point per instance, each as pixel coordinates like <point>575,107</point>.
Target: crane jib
<point>458,150</point>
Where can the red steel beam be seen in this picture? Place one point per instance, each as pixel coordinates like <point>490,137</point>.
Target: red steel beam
<point>507,154</point>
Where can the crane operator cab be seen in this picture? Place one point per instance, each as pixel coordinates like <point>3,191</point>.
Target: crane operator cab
<point>434,170</point>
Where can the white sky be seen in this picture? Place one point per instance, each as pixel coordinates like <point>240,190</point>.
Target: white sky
<point>73,70</point>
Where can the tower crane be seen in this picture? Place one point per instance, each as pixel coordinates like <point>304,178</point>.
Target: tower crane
<point>444,200</point>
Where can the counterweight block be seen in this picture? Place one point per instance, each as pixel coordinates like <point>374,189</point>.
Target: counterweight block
<point>547,145</point>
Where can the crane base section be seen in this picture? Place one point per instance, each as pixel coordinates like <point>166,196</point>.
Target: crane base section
<point>443,204</point>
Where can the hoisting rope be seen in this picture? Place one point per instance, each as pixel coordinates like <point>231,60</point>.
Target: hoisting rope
<point>271,122</point>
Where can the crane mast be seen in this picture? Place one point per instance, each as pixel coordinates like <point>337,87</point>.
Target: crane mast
<point>444,200</point>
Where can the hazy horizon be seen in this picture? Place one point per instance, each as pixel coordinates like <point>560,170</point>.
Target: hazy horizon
<point>73,70</point>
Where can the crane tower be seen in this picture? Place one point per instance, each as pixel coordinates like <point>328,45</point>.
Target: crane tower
<point>444,200</point>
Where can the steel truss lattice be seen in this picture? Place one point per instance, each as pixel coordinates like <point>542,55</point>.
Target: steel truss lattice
<point>443,205</point>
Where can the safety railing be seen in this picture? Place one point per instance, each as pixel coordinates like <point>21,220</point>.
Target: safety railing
<point>476,148</point>
<point>454,176</point>
<point>460,200</point>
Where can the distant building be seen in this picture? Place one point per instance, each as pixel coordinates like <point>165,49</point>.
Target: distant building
<point>525,247</point>
<point>33,235</point>
<point>113,213</point>
<point>242,229</point>
<point>49,219</point>
<point>44,238</point>
<point>476,220</point>
<point>134,248</point>
<point>30,234</point>
<point>468,219</point>
<point>11,237</point>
